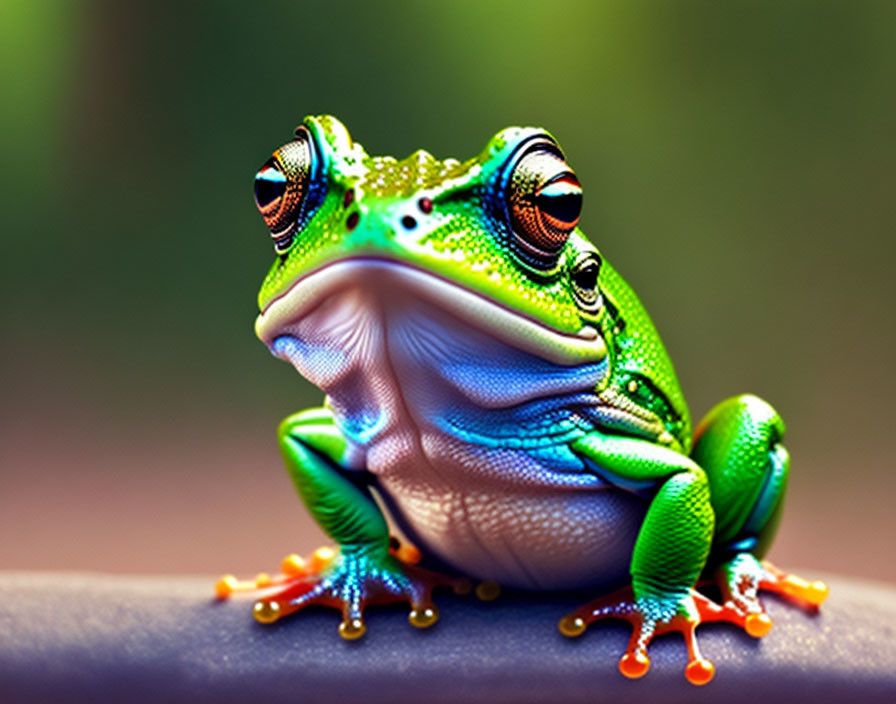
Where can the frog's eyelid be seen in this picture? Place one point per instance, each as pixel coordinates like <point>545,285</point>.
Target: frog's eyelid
<point>536,142</point>
<point>317,186</point>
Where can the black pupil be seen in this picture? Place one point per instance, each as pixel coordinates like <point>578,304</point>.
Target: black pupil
<point>270,184</point>
<point>586,277</point>
<point>565,208</point>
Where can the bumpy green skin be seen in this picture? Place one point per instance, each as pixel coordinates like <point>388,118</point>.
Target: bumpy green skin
<point>724,500</point>
<point>715,506</point>
<point>741,441</point>
<point>639,359</point>
<point>463,232</point>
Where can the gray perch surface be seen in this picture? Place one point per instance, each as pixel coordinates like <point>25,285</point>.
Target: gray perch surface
<point>88,637</point>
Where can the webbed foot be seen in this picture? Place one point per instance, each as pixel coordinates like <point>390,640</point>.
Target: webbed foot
<point>347,580</point>
<point>742,578</point>
<point>740,581</point>
<point>651,616</point>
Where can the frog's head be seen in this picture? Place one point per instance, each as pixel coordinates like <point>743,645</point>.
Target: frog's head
<point>491,241</point>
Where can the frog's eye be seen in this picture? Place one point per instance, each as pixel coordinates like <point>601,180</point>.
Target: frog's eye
<point>583,274</point>
<point>544,199</point>
<point>281,187</point>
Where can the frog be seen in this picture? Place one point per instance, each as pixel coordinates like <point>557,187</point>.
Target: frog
<point>498,405</point>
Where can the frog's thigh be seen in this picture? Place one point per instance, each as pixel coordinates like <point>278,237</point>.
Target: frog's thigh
<point>675,537</point>
<point>313,449</point>
<point>738,444</point>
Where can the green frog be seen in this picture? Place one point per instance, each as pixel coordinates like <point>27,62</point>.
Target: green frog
<point>498,404</point>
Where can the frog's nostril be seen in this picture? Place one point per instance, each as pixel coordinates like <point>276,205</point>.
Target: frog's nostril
<point>352,221</point>
<point>408,222</point>
<point>270,185</point>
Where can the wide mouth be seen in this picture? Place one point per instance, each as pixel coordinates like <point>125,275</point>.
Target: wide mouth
<point>381,275</point>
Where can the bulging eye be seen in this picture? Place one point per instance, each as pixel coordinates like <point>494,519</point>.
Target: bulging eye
<point>282,184</point>
<point>270,187</point>
<point>544,199</point>
<point>584,275</point>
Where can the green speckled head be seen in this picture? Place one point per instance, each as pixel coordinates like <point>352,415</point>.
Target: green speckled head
<point>443,216</point>
<point>501,226</point>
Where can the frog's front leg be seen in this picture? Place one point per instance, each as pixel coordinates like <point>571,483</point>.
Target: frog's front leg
<point>670,552</point>
<point>364,570</point>
<point>739,445</point>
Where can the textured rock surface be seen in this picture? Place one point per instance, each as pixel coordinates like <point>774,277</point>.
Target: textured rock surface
<point>87,637</point>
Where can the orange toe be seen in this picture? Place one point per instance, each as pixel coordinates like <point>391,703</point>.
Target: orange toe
<point>757,625</point>
<point>699,671</point>
<point>634,665</point>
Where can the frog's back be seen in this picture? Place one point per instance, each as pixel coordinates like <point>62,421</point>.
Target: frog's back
<point>639,356</point>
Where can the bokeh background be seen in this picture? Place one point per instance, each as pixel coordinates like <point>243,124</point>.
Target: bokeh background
<point>738,165</point>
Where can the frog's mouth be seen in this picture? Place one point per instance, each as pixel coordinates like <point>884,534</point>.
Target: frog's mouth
<point>377,278</point>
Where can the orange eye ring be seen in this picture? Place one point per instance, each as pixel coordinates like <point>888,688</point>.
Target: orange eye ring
<point>282,184</point>
<point>544,200</point>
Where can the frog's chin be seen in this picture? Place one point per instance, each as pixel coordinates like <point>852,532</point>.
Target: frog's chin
<point>377,278</point>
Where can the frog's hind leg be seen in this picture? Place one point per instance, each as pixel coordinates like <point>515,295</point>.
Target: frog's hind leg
<point>739,447</point>
<point>669,554</point>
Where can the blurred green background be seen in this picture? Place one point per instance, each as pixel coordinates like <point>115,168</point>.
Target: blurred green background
<point>738,165</point>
